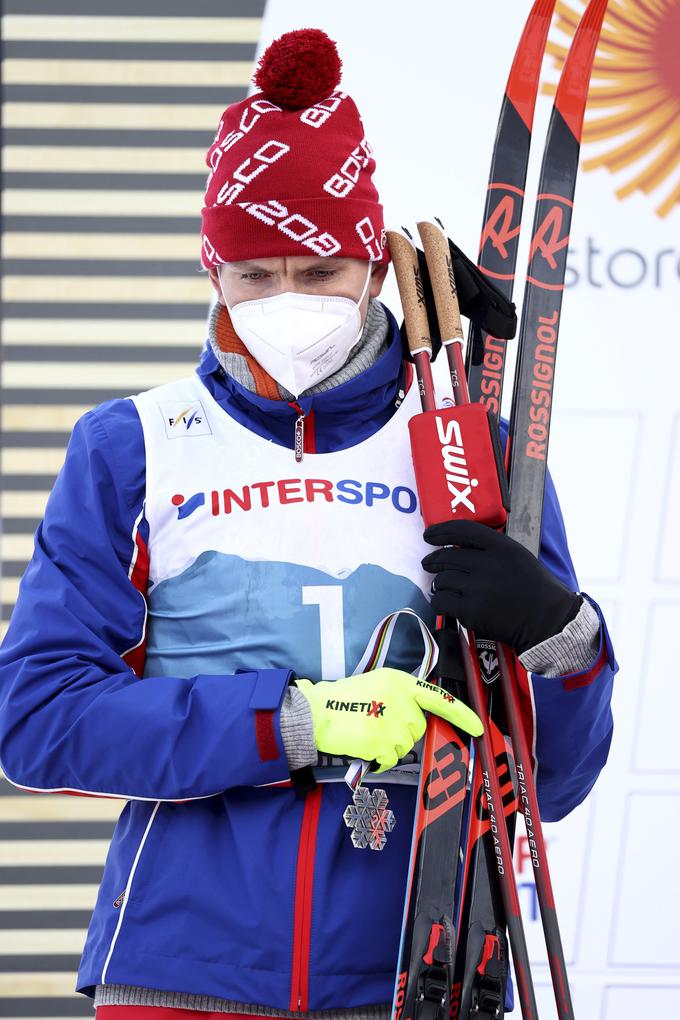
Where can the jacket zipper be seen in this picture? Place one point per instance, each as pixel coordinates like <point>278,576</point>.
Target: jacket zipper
<point>299,437</point>
<point>299,431</point>
<point>305,441</point>
<point>119,900</point>
<point>304,884</point>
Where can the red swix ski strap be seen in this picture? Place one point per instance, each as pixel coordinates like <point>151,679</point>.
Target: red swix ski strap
<point>458,465</point>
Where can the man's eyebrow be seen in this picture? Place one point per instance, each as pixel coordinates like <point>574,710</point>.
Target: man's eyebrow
<point>250,266</point>
<point>325,262</point>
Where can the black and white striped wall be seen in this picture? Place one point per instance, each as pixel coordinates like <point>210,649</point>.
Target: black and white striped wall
<point>107,111</point>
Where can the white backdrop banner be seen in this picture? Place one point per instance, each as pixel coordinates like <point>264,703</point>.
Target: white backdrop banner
<point>428,79</point>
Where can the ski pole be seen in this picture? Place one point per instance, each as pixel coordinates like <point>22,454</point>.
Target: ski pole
<point>405,259</point>
<point>436,249</point>
<point>422,988</point>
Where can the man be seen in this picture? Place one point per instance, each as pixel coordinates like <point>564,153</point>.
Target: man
<point>213,560</point>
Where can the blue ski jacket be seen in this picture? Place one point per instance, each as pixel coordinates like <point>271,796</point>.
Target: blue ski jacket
<point>214,883</point>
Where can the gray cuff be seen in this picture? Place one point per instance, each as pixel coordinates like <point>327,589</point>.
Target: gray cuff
<point>570,651</point>
<point>297,730</point>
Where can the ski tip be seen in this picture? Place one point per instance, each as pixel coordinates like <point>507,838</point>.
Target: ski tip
<point>522,86</point>
<point>572,90</point>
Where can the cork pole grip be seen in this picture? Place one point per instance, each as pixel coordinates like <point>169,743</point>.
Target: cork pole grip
<point>410,284</point>
<point>440,268</point>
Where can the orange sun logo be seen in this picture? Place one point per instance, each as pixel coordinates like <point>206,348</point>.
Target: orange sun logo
<point>634,101</point>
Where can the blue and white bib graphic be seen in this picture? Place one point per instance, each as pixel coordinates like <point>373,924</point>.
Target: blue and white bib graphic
<point>225,613</point>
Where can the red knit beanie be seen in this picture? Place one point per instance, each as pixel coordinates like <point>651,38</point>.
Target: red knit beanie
<point>290,171</point>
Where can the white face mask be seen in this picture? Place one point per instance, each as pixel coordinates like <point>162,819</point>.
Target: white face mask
<point>299,339</point>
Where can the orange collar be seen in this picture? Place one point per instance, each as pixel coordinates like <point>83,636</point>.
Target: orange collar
<point>230,343</point>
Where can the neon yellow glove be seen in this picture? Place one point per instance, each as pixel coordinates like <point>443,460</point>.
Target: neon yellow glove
<point>380,714</point>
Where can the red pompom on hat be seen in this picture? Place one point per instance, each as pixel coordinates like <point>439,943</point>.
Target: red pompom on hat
<point>290,169</point>
<point>299,69</point>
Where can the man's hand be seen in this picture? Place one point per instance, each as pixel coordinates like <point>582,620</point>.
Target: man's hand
<point>380,714</point>
<point>495,586</point>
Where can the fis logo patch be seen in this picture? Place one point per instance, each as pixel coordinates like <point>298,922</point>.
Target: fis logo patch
<point>185,419</point>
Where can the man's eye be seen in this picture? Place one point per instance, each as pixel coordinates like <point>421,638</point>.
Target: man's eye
<point>252,276</point>
<point>322,274</point>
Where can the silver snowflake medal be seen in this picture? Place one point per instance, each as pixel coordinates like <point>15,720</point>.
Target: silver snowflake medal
<point>368,816</point>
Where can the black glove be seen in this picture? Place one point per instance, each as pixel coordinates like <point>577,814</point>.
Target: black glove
<point>496,587</point>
